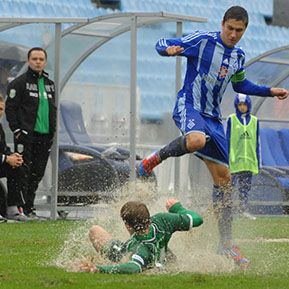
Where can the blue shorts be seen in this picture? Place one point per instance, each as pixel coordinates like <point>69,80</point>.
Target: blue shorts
<point>190,120</point>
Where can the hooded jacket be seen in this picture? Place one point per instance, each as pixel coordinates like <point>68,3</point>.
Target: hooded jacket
<point>244,118</point>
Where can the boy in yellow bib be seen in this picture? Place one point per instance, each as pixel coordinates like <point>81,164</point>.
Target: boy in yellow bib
<point>243,147</point>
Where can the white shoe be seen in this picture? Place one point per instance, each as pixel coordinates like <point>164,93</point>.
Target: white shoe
<point>248,216</point>
<point>2,219</point>
<point>16,215</point>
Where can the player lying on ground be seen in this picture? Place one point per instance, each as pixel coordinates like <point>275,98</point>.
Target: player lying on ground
<point>148,244</point>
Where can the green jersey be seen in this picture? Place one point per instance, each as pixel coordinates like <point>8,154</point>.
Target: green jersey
<point>243,143</point>
<point>147,251</point>
<point>42,119</point>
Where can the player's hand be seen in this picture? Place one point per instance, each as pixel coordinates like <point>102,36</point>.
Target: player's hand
<point>15,160</point>
<point>171,202</point>
<point>85,266</point>
<point>174,50</point>
<point>281,93</point>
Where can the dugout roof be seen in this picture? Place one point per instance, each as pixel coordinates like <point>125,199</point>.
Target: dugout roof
<point>73,45</point>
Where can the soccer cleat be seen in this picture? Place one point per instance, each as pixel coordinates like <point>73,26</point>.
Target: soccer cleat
<point>147,164</point>
<point>233,253</point>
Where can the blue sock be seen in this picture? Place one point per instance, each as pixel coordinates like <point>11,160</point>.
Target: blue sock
<point>243,195</point>
<point>244,188</point>
<point>176,148</point>
<point>223,209</point>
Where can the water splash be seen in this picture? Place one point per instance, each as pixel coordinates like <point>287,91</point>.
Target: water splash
<point>195,250</point>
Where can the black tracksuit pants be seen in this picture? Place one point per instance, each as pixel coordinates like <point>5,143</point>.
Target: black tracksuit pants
<point>35,153</point>
<point>14,195</point>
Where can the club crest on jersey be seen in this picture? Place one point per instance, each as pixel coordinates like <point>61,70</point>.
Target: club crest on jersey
<point>12,93</point>
<point>191,123</point>
<point>223,72</point>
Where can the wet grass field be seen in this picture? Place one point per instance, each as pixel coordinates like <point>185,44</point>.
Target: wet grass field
<point>28,251</point>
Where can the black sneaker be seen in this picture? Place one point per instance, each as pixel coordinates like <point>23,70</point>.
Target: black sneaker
<point>31,215</point>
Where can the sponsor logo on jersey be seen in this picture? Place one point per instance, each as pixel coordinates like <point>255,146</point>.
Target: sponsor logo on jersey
<point>223,72</point>
<point>245,135</point>
<point>210,80</point>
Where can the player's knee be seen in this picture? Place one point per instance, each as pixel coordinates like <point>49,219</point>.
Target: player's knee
<point>225,178</point>
<point>195,141</point>
<point>94,231</point>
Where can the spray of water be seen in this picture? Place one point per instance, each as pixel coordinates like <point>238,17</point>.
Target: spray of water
<point>195,250</point>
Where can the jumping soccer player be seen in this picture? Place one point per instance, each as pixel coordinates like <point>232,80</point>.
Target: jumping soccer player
<point>213,61</point>
<point>148,244</point>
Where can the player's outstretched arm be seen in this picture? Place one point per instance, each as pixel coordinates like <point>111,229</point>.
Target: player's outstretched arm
<point>171,202</point>
<point>174,206</point>
<point>280,93</point>
<point>88,267</point>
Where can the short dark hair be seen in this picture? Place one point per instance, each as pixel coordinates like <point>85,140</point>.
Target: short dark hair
<point>136,215</point>
<point>238,13</point>
<point>36,49</point>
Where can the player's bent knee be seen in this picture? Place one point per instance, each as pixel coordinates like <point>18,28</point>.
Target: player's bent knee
<point>225,179</point>
<point>98,237</point>
<point>95,231</point>
<point>195,141</point>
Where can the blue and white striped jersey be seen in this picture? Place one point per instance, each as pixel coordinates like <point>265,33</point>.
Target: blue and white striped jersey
<point>210,67</point>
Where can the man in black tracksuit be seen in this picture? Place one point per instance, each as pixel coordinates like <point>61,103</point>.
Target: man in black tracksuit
<point>8,163</point>
<point>31,114</point>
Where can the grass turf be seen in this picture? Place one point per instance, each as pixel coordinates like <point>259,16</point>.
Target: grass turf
<point>25,249</point>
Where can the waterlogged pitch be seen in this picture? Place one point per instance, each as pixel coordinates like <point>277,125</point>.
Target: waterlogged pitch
<point>45,255</point>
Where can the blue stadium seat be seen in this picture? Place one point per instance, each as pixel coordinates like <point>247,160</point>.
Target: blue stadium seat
<point>271,149</point>
<point>71,113</point>
<point>273,157</point>
<point>284,138</point>
<point>64,137</point>
<point>73,121</point>
<point>266,153</point>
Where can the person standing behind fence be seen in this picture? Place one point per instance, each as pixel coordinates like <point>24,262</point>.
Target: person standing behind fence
<point>31,114</point>
<point>8,163</point>
<point>243,146</point>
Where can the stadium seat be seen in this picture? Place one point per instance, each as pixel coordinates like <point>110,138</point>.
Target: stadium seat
<point>71,113</point>
<point>64,137</point>
<point>107,169</point>
<point>73,121</point>
<point>284,138</point>
<point>271,149</point>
